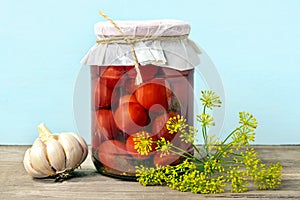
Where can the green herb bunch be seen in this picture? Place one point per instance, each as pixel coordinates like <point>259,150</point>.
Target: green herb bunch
<point>216,163</point>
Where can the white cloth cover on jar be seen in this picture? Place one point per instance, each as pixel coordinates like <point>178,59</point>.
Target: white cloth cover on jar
<point>180,54</point>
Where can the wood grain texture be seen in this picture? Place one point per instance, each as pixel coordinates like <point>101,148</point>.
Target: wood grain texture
<point>88,184</point>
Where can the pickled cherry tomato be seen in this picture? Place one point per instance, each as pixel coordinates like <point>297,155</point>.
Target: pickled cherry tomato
<point>130,117</point>
<point>159,126</point>
<point>153,92</point>
<point>112,74</point>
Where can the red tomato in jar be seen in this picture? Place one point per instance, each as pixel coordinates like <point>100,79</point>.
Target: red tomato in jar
<point>147,71</point>
<point>133,152</point>
<point>159,127</point>
<point>105,126</point>
<point>154,92</point>
<point>171,159</point>
<point>112,75</point>
<point>113,155</point>
<point>102,95</point>
<point>131,117</point>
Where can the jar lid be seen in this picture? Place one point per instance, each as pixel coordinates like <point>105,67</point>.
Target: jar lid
<point>177,52</point>
<point>167,27</point>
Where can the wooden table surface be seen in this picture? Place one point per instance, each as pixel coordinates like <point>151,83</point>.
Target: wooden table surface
<point>88,184</point>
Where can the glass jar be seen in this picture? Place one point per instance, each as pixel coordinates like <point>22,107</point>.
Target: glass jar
<point>132,96</point>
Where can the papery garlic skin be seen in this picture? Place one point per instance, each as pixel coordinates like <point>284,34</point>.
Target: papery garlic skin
<point>52,154</point>
<point>83,144</point>
<point>39,159</point>
<point>55,154</point>
<point>28,166</point>
<point>73,151</point>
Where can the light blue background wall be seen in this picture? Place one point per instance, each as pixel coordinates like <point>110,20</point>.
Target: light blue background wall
<point>253,43</point>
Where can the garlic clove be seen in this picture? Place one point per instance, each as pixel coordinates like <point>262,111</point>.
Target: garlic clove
<point>72,149</point>
<point>30,170</point>
<point>39,159</point>
<point>82,144</point>
<point>55,154</point>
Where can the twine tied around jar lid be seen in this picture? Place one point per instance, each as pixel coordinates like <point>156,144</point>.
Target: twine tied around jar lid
<point>131,40</point>
<point>134,39</point>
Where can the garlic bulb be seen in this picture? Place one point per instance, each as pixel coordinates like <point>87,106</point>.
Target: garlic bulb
<point>52,155</point>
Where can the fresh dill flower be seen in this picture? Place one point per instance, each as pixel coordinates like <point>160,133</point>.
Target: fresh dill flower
<point>150,176</point>
<point>196,181</point>
<point>143,143</point>
<point>210,99</point>
<point>213,185</point>
<point>164,146</point>
<point>176,124</point>
<point>217,163</point>
<point>243,136</point>
<point>212,165</point>
<point>268,177</point>
<point>250,160</point>
<point>247,119</point>
<point>206,120</point>
<point>238,180</point>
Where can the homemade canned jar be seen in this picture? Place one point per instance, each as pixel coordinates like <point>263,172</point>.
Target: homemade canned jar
<point>141,75</point>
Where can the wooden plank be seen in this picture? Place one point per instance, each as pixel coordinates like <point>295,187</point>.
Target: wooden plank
<point>88,184</point>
